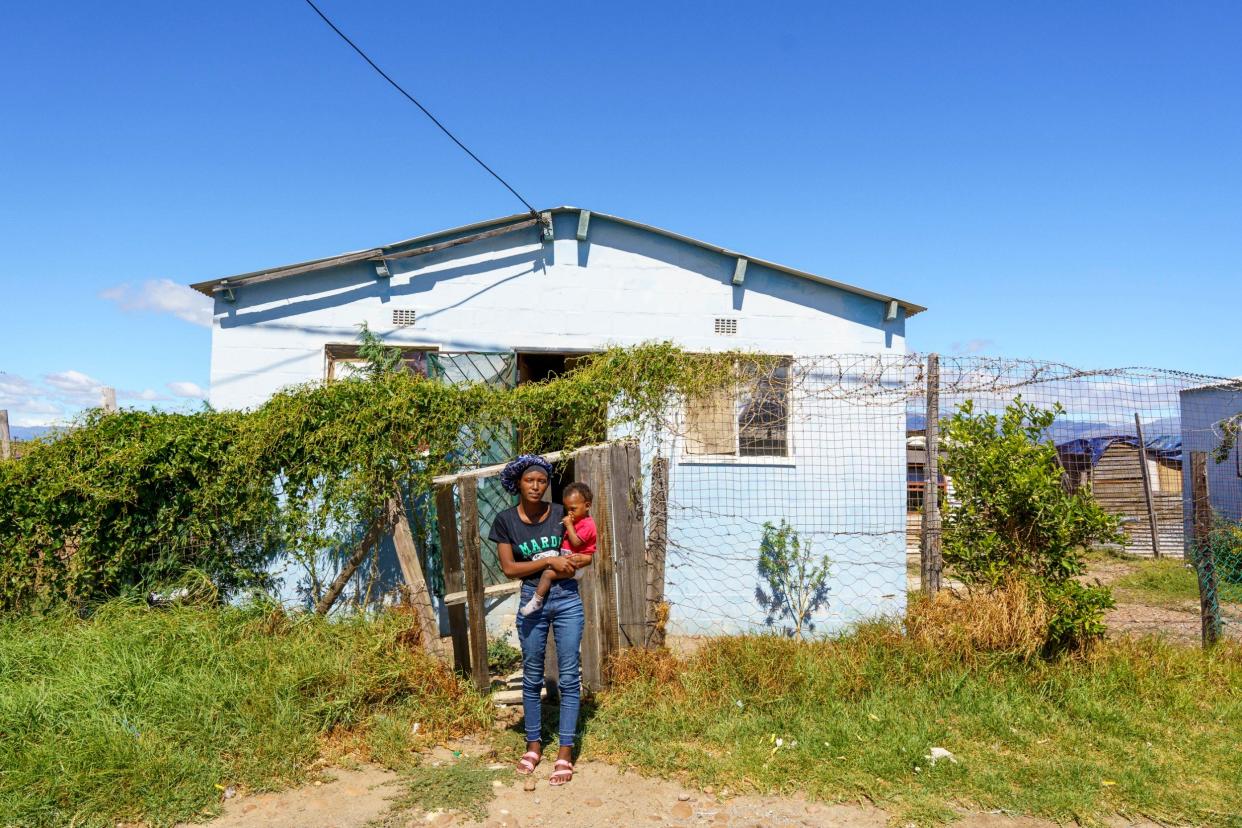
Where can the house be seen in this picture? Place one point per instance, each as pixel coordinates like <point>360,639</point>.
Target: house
<point>1205,411</point>
<point>1110,466</point>
<point>517,298</point>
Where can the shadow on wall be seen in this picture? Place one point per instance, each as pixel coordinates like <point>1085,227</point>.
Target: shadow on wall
<point>309,292</point>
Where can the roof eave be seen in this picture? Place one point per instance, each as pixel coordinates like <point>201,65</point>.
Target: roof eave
<point>209,286</point>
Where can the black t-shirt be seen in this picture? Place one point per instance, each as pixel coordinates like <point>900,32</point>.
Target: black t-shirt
<point>529,539</point>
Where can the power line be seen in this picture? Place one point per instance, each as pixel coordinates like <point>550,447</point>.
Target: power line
<point>414,101</point>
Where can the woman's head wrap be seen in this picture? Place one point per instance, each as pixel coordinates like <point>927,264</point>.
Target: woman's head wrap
<point>513,472</point>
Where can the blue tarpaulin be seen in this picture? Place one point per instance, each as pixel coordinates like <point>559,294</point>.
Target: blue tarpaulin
<point>1166,447</point>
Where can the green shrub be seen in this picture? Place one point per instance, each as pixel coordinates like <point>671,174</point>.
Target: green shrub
<point>502,657</point>
<point>128,501</point>
<point>1011,516</point>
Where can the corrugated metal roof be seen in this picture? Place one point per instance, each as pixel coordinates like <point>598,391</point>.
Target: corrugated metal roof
<point>210,286</point>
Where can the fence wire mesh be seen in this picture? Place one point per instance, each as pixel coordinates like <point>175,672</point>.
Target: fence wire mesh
<point>796,499</point>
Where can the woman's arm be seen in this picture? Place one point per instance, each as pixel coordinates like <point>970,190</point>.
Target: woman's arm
<point>515,569</point>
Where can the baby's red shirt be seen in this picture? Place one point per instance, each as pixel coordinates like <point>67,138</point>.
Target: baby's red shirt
<point>586,533</point>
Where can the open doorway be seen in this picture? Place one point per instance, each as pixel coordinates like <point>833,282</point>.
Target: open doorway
<point>539,366</point>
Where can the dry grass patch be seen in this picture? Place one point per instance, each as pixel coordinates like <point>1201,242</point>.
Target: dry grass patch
<point>1011,619</point>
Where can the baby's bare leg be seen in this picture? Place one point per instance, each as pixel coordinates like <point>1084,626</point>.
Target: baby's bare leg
<point>541,592</point>
<point>545,583</point>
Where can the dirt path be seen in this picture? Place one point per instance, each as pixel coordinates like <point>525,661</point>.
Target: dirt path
<point>601,796</point>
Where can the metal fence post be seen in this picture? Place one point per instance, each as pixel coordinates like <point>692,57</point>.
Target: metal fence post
<point>930,562</point>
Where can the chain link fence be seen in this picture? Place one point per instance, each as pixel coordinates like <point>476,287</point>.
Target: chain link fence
<point>797,501</point>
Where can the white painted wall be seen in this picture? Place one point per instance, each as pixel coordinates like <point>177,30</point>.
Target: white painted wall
<point>622,286</point>
<point>1202,412</point>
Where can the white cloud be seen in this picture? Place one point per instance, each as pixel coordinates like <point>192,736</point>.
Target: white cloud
<point>73,382</point>
<point>187,389</point>
<point>973,346</point>
<point>56,398</point>
<point>162,296</point>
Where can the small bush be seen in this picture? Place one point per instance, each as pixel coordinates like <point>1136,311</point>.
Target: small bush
<point>1011,517</point>
<point>502,657</point>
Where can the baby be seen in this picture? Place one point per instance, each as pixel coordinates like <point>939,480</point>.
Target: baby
<point>578,539</point>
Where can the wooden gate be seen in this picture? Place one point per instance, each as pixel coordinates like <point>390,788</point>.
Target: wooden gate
<point>622,589</point>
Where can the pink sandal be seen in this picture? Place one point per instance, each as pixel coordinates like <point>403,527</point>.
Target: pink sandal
<point>563,772</point>
<point>526,765</point>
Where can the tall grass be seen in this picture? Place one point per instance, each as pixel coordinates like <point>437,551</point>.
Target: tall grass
<point>1130,727</point>
<point>138,714</point>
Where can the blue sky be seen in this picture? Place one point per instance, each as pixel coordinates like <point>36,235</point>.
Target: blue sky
<point>1060,181</point>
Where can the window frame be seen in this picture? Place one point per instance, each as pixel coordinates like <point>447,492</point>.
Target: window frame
<point>789,458</point>
<point>335,353</point>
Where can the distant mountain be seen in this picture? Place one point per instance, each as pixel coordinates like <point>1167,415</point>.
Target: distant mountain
<point>29,432</point>
<point>1064,430</point>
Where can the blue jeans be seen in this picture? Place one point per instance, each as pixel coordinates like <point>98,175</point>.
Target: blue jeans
<point>562,611</point>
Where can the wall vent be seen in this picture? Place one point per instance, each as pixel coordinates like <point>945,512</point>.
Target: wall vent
<point>402,317</point>
<point>726,327</point>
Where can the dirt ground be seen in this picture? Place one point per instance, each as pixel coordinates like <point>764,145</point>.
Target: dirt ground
<point>1178,622</point>
<point>601,796</point>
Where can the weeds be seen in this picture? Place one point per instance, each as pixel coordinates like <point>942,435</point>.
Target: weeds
<point>464,787</point>
<point>137,714</point>
<point>1127,727</point>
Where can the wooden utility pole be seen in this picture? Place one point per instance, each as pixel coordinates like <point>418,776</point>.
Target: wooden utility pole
<point>1151,504</point>
<point>930,562</point>
<point>6,446</point>
<point>1201,543</point>
<point>107,398</point>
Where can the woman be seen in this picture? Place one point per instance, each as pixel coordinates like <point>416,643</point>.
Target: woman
<point>520,533</point>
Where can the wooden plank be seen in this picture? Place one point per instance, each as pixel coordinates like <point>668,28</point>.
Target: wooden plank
<point>472,561</point>
<point>605,561</point>
<point>280,273</point>
<point>416,591</point>
<point>1205,561</point>
<point>930,561</point>
<point>491,471</point>
<point>584,224</point>
<point>454,576</point>
<point>494,591</point>
<point>626,507</point>
<point>6,445</point>
<point>589,587</point>
<point>657,550</point>
<point>473,237</point>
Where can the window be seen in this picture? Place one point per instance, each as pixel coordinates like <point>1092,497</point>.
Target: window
<point>916,486</point>
<point>750,419</point>
<point>343,360</point>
